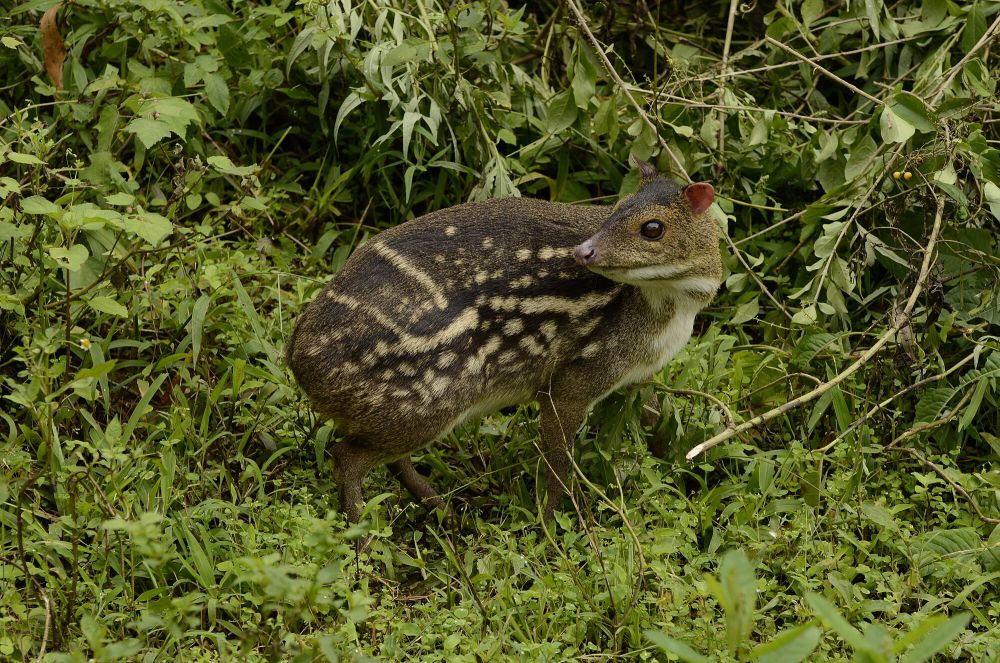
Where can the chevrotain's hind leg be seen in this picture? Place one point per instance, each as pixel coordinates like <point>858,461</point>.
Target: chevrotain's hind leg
<point>407,475</point>
<point>353,460</point>
<point>560,420</point>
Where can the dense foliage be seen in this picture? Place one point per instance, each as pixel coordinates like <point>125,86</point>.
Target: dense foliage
<point>177,187</point>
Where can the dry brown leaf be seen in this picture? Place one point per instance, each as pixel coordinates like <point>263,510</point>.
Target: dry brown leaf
<point>52,46</point>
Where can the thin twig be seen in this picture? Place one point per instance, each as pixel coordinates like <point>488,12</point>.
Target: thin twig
<point>955,486</point>
<point>884,404</point>
<point>760,284</point>
<point>48,626</point>
<point>625,88</point>
<point>987,36</point>
<point>726,412</point>
<point>889,333</point>
<point>815,65</point>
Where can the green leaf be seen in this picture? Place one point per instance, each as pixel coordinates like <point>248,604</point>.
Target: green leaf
<point>806,316</point>
<point>149,132</point>
<point>197,325</point>
<point>562,113</point>
<point>71,258</point>
<point>108,305</point>
<point>217,91</point>
<point>790,646</point>
<point>811,10</point>
<point>679,649</point>
<point>120,199</point>
<point>937,639</point>
<point>11,42</point>
<point>932,402</point>
<point>912,109</point>
<point>27,159</point>
<point>352,101</point>
<point>223,164</point>
<point>827,612</point>
<point>894,128</point>
<point>745,312</point>
<point>39,205</point>
<point>149,226</point>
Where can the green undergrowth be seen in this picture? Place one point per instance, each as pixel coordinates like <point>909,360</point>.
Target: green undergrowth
<point>204,167</point>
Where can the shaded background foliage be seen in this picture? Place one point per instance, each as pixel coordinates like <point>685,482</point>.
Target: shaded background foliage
<point>205,166</point>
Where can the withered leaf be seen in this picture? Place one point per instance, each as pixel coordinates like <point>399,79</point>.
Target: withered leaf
<point>52,46</point>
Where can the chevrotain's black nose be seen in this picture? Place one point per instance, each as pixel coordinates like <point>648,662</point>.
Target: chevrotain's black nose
<point>585,253</point>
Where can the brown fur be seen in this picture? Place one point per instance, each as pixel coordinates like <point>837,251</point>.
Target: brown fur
<point>480,306</point>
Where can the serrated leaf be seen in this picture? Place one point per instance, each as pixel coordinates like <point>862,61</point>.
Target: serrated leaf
<point>71,258</point>
<point>107,305</point>
<point>224,164</point>
<point>149,226</point>
<point>149,132</point>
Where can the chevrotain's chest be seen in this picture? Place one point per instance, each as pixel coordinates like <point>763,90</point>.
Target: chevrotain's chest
<point>482,300</point>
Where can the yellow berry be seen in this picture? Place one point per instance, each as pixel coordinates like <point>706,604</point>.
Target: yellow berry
<point>896,175</point>
<point>907,176</point>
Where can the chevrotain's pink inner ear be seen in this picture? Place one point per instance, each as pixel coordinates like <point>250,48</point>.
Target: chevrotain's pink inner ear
<point>700,195</point>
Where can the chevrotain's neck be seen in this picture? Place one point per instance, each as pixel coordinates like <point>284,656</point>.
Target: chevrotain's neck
<point>665,298</point>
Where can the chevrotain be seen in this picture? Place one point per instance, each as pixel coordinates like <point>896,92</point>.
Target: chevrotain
<point>484,305</point>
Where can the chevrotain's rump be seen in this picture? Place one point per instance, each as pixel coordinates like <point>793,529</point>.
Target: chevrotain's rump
<point>484,305</point>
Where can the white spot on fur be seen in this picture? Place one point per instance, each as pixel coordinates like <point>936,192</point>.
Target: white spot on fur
<point>488,243</point>
<point>523,254</point>
<point>513,327</point>
<point>450,231</point>
<point>403,264</point>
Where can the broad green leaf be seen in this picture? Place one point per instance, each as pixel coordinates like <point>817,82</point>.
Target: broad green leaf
<point>149,132</point>
<point>673,646</point>
<point>39,205</point>
<point>120,198</point>
<point>811,10</point>
<point>912,109</point>
<point>894,128</point>
<point>932,401</point>
<point>217,91</point>
<point>806,316</point>
<point>746,311</point>
<point>860,159</point>
<point>789,646</point>
<point>107,305</point>
<point>11,42</point>
<point>9,231</point>
<point>991,193</point>
<point>71,258</point>
<point>562,113</point>
<point>149,226</point>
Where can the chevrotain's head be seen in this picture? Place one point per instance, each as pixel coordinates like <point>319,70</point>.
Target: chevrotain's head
<point>659,236</point>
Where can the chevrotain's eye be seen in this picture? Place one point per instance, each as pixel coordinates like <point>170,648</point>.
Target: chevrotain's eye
<point>652,229</point>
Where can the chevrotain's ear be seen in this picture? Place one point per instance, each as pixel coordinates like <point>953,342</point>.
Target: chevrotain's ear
<point>700,195</point>
<point>647,172</point>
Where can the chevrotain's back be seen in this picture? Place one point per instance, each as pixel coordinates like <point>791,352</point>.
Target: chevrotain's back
<point>450,315</point>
